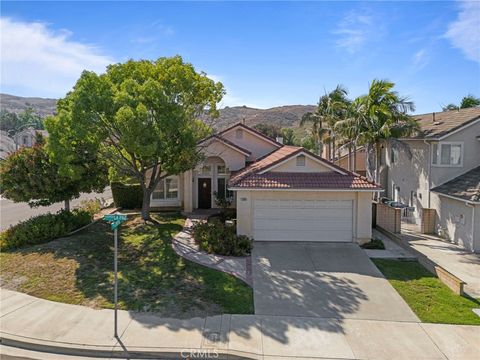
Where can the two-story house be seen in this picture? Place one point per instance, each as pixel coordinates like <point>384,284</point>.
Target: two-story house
<point>440,170</point>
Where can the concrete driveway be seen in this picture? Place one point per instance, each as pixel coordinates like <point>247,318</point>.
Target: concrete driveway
<point>328,280</point>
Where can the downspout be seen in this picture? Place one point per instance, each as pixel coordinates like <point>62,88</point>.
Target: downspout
<point>429,170</point>
<point>473,223</point>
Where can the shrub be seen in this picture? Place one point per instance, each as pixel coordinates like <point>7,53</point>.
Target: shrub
<point>127,196</point>
<point>218,238</point>
<point>43,228</point>
<point>91,206</point>
<point>374,244</point>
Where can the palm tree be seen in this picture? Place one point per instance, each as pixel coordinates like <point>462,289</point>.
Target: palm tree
<point>377,117</point>
<point>468,101</point>
<point>331,108</point>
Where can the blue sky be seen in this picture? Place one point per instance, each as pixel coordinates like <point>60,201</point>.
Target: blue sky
<point>266,53</point>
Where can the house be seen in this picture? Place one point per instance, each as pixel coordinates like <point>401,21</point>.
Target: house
<point>27,137</point>
<point>346,160</point>
<point>281,193</point>
<point>439,170</point>
<point>7,145</point>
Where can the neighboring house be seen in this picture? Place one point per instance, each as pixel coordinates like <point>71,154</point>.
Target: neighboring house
<point>7,145</point>
<point>439,171</point>
<point>27,137</point>
<point>344,159</point>
<point>281,193</point>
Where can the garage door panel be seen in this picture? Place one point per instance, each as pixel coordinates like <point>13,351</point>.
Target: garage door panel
<point>303,220</point>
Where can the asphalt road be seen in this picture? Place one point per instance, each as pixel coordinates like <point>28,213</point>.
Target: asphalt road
<point>12,213</point>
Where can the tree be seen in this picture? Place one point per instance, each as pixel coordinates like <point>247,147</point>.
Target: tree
<point>13,123</point>
<point>288,136</point>
<point>29,175</point>
<point>141,116</point>
<point>271,130</point>
<point>468,101</point>
<point>377,117</point>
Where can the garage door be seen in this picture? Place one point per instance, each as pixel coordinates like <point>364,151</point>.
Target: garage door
<point>303,220</point>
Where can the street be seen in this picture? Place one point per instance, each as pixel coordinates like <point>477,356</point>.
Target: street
<point>11,213</point>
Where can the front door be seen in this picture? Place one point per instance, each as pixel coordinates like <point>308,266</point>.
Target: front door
<point>204,193</point>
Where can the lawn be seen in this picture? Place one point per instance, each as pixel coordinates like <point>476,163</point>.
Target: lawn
<point>428,297</point>
<point>152,277</point>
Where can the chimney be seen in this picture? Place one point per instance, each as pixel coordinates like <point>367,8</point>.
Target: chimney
<point>279,139</point>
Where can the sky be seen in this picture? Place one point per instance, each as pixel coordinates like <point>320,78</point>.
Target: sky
<point>265,53</point>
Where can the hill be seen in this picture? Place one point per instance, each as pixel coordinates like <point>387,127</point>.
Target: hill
<point>18,104</point>
<point>283,116</point>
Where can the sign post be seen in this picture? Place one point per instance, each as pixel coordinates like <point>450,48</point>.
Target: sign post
<point>115,220</point>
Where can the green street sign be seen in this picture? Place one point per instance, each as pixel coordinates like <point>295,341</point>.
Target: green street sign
<point>115,219</point>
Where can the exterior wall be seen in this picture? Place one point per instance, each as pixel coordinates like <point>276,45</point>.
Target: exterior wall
<point>232,158</point>
<point>258,146</point>
<point>476,230</point>
<point>471,158</point>
<point>362,214</point>
<point>455,221</point>
<point>310,166</point>
<point>188,193</point>
<point>361,161</point>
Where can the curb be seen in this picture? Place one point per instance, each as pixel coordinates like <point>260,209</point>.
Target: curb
<point>119,351</point>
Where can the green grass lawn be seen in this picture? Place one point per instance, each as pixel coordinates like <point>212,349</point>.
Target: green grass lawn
<point>152,277</point>
<point>428,297</point>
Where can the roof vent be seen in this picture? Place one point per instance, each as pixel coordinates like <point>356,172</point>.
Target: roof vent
<point>433,118</point>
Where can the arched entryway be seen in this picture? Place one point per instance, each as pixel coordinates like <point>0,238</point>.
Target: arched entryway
<point>211,177</point>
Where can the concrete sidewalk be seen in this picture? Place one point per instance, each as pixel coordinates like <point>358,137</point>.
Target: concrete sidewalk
<point>453,258</point>
<point>42,325</point>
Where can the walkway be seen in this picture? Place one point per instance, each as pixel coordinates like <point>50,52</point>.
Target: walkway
<point>392,250</point>
<point>453,258</point>
<point>185,246</point>
<point>47,326</point>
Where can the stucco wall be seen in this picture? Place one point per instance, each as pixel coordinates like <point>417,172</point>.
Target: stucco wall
<point>258,146</point>
<point>232,158</point>
<point>454,221</point>
<point>362,208</point>
<point>361,161</point>
<point>310,166</point>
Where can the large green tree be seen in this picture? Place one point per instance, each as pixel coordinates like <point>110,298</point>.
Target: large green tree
<point>142,116</point>
<point>29,175</point>
<point>468,101</point>
<point>375,118</point>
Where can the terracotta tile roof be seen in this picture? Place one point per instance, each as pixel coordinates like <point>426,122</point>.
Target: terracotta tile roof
<point>446,121</point>
<point>269,139</point>
<point>266,161</point>
<point>249,177</point>
<point>289,180</point>
<point>466,186</point>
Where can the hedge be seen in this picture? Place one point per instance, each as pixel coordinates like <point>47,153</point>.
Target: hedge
<point>43,228</point>
<point>127,196</point>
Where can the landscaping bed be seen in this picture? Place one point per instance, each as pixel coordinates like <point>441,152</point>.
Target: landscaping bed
<point>426,295</point>
<point>152,277</point>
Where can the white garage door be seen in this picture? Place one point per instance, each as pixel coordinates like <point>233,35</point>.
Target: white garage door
<point>303,220</point>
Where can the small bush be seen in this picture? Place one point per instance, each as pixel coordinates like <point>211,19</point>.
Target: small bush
<point>374,244</point>
<point>127,196</point>
<point>43,228</point>
<point>91,206</point>
<point>218,238</point>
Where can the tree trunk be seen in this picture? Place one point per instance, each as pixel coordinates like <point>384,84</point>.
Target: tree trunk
<point>369,153</point>
<point>146,204</point>
<point>378,161</point>
<point>333,150</point>
<point>354,157</point>
<point>350,157</point>
<point>67,205</point>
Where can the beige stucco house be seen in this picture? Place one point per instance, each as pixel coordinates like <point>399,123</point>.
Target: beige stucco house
<point>440,171</point>
<point>281,193</point>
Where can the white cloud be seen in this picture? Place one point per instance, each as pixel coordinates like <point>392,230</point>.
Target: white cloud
<point>39,61</point>
<point>354,31</point>
<point>420,59</point>
<point>464,32</point>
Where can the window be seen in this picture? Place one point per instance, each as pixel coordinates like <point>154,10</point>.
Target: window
<point>447,154</point>
<point>393,156</point>
<point>301,160</point>
<point>239,134</point>
<point>172,188</point>
<point>222,190</point>
<point>222,170</point>
<point>167,189</point>
<point>206,169</point>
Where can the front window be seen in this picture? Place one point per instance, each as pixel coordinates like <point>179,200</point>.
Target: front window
<point>222,170</point>
<point>447,154</point>
<point>222,190</point>
<point>206,170</point>
<point>167,189</point>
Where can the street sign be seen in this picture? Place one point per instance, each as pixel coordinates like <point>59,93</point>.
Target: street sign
<point>115,219</point>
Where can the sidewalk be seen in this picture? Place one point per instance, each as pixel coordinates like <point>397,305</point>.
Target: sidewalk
<point>43,325</point>
<point>453,258</point>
